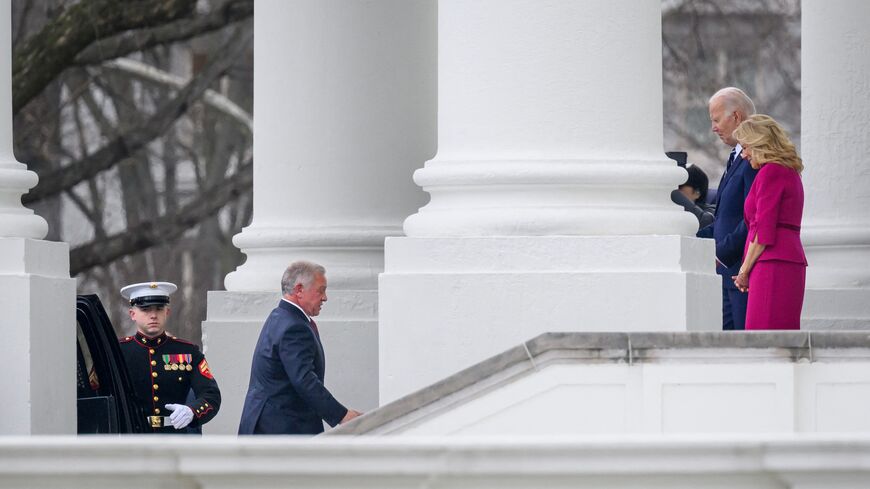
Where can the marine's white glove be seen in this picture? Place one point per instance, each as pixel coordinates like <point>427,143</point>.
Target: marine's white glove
<point>181,415</point>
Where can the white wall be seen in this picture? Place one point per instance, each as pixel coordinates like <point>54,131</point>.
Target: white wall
<point>669,398</point>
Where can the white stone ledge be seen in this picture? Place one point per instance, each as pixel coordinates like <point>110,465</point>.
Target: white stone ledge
<point>698,368</point>
<point>620,461</point>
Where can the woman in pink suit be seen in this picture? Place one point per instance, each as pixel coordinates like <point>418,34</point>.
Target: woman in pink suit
<point>774,264</point>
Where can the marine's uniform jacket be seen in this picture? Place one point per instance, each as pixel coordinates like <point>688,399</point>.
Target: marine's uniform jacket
<point>164,369</point>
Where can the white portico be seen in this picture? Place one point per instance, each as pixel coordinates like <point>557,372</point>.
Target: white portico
<point>550,206</point>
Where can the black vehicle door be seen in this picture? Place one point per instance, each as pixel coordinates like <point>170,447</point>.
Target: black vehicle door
<point>106,402</point>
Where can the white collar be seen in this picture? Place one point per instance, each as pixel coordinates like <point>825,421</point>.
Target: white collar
<point>297,307</point>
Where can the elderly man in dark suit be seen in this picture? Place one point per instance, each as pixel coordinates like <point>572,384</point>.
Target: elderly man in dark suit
<point>286,395</point>
<point>728,108</point>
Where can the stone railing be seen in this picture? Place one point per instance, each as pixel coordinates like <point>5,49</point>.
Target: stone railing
<point>808,461</point>
<point>609,383</point>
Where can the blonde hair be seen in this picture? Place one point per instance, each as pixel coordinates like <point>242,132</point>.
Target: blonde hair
<point>768,142</point>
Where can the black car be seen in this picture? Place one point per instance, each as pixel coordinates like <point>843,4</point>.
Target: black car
<point>106,403</point>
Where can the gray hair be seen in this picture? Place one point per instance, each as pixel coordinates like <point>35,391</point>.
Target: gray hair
<point>300,272</point>
<point>734,100</point>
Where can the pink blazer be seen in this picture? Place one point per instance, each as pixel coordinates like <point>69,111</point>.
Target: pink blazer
<point>773,211</point>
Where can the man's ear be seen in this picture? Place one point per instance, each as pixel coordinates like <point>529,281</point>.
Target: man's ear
<point>298,288</point>
<point>168,311</point>
<point>131,312</point>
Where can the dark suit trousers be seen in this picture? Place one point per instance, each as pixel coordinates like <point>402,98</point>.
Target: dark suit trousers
<point>733,308</point>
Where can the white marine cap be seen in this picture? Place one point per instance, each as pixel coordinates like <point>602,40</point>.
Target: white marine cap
<point>148,293</point>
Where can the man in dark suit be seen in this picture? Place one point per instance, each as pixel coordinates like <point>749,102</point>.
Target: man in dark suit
<point>728,108</point>
<point>286,395</point>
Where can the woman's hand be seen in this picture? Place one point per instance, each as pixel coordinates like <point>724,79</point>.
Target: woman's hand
<point>741,280</point>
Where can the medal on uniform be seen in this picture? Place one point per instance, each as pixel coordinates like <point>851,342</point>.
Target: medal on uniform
<point>174,366</point>
<point>166,362</point>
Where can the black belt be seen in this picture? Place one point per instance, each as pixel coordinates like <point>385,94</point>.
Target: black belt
<point>788,226</point>
<point>158,421</point>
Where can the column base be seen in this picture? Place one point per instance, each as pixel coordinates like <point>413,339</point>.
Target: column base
<point>447,303</point>
<point>348,328</point>
<point>38,302</point>
<point>836,309</point>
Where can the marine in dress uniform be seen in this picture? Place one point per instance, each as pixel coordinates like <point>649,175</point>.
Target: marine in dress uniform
<point>163,368</point>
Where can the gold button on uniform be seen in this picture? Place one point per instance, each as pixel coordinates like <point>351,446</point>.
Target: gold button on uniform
<point>156,398</point>
<point>151,351</point>
<point>153,362</point>
<point>156,386</point>
<point>154,374</point>
<point>156,411</point>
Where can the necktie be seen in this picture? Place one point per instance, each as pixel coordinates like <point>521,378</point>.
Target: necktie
<point>731,159</point>
<point>314,327</point>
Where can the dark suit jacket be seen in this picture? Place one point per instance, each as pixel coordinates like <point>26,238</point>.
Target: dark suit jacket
<point>728,228</point>
<point>286,394</point>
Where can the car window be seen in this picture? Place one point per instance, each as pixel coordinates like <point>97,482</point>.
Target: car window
<point>88,380</point>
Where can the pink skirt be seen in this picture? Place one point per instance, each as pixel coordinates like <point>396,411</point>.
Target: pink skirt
<point>776,295</point>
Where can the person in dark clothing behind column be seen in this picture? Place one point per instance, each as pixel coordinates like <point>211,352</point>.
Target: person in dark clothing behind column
<point>692,195</point>
<point>728,108</point>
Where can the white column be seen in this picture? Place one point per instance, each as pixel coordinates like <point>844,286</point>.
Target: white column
<point>835,140</point>
<point>37,296</point>
<point>344,111</point>
<point>550,206</point>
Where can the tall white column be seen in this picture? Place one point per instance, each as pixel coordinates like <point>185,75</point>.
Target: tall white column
<point>37,296</point>
<point>344,111</point>
<point>835,141</point>
<point>550,206</point>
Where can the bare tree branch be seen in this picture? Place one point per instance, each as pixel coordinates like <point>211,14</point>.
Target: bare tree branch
<point>162,229</point>
<point>48,53</point>
<point>180,30</point>
<point>138,136</point>
<point>214,98</point>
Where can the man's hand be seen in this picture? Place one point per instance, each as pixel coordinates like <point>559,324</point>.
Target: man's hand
<point>181,415</point>
<point>349,416</point>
